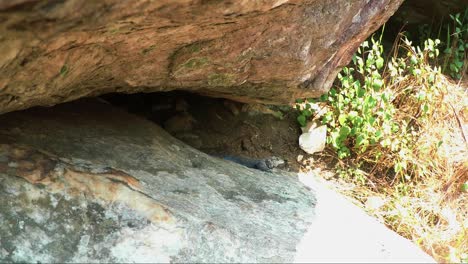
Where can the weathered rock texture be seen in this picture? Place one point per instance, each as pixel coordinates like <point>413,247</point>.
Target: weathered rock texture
<point>249,50</point>
<point>84,182</point>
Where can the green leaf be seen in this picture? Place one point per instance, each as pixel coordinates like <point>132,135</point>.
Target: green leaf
<point>465,187</point>
<point>379,62</point>
<point>302,120</point>
<point>357,121</point>
<point>398,167</point>
<point>335,140</point>
<point>343,152</point>
<point>377,84</point>
<point>431,78</point>
<point>378,134</point>
<point>361,92</point>
<point>359,140</point>
<point>365,44</point>
<point>425,108</point>
<point>344,131</point>
<point>342,119</point>
<point>327,117</point>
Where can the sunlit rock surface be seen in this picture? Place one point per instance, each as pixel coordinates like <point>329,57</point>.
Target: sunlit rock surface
<point>250,50</point>
<point>84,182</point>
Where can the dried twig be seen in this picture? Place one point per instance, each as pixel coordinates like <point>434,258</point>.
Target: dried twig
<point>459,123</point>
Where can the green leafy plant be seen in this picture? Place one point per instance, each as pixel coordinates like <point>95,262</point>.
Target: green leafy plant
<point>456,45</point>
<point>374,112</point>
<point>305,111</point>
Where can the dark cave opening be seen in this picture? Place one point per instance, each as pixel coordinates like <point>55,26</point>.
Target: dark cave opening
<point>422,19</point>
<point>218,126</point>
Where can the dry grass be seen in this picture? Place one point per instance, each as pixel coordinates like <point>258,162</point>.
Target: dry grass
<point>433,213</point>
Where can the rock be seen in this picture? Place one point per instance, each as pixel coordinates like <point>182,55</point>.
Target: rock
<point>300,158</point>
<point>191,139</point>
<point>85,182</point>
<point>250,51</point>
<point>255,109</point>
<point>260,109</point>
<point>232,106</point>
<point>310,126</point>
<point>343,233</point>
<point>314,141</point>
<point>246,145</point>
<point>182,122</point>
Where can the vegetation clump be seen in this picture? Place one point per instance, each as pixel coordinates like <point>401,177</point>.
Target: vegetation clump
<point>395,127</point>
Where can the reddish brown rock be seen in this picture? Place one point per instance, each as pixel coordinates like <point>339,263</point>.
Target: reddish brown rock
<point>251,51</point>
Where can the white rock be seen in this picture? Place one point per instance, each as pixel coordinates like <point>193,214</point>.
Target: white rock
<point>314,141</point>
<point>310,126</point>
<point>299,158</point>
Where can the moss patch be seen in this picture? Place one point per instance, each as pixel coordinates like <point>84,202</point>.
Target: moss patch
<point>221,79</point>
<point>195,62</point>
<point>191,64</point>
<point>194,47</point>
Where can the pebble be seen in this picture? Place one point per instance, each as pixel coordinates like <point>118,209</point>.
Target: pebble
<point>299,158</point>
<point>314,141</point>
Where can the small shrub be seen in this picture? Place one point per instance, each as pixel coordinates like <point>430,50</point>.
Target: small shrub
<point>374,113</point>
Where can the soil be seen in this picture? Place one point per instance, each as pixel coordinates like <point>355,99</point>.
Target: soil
<point>221,127</point>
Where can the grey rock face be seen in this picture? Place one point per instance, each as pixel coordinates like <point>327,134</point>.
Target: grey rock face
<point>84,182</point>
<point>266,164</point>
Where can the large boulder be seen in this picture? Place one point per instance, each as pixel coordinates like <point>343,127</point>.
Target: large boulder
<point>250,50</point>
<point>85,182</point>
